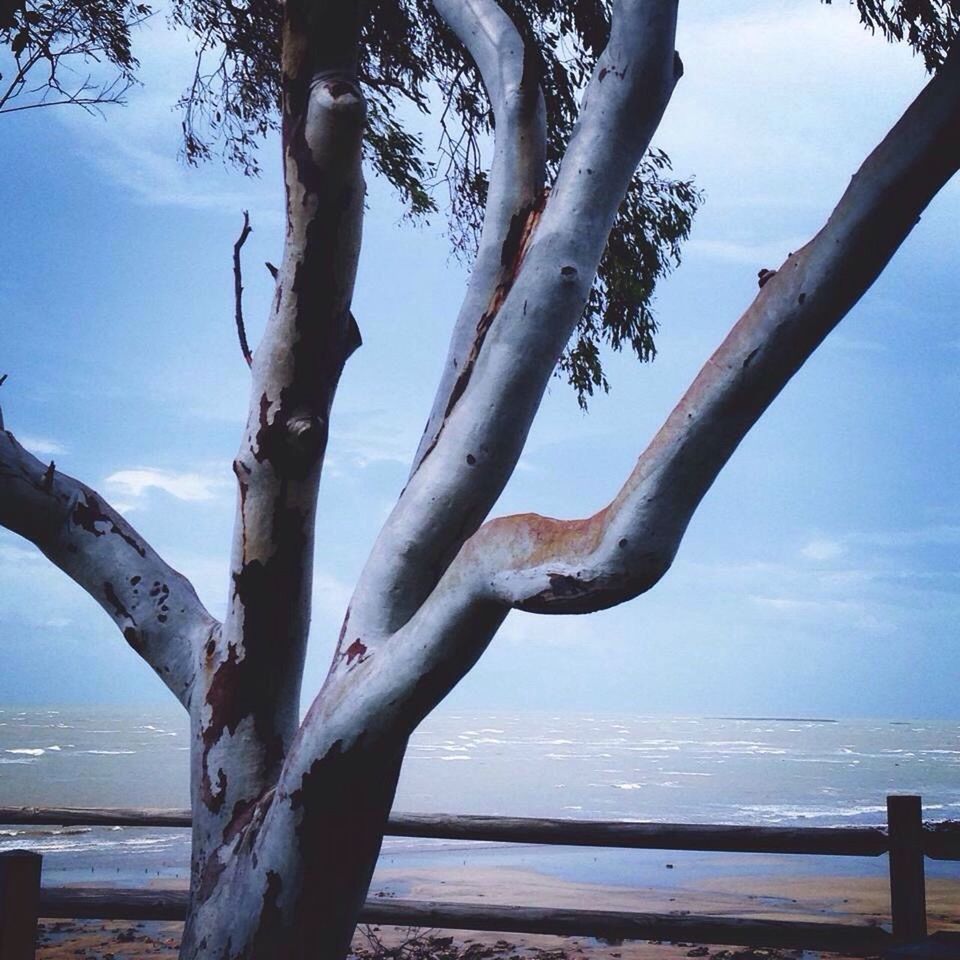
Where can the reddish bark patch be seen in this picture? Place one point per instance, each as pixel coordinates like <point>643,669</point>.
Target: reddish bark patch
<point>245,813</point>
<point>512,254</point>
<point>212,871</point>
<point>355,650</point>
<point>255,685</point>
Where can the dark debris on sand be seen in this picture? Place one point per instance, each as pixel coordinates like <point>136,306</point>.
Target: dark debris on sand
<point>94,940</point>
<point>416,945</point>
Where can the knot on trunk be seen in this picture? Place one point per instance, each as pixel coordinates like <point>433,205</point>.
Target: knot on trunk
<point>292,440</point>
<point>335,98</point>
<point>305,434</point>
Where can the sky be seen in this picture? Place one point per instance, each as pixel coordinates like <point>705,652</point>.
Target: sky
<point>819,576</point>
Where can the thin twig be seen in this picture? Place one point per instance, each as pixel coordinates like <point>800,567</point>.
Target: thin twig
<point>238,287</point>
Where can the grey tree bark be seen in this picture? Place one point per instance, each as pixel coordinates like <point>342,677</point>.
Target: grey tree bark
<point>289,817</point>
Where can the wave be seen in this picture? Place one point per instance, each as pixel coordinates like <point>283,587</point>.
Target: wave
<point>778,813</point>
<point>53,832</point>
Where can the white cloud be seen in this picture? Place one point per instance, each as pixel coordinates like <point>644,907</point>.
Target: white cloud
<point>866,615</point>
<point>768,254</point>
<point>41,446</point>
<point>823,550</point>
<point>184,486</point>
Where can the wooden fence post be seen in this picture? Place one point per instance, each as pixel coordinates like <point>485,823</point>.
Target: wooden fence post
<point>908,899</point>
<point>19,904</point>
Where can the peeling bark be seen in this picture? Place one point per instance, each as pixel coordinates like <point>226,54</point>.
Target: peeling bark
<point>516,186</point>
<point>251,670</point>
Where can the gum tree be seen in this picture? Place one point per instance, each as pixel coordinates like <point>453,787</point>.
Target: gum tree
<point>288,816</point>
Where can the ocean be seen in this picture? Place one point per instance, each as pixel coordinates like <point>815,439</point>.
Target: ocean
<point>776,771</point>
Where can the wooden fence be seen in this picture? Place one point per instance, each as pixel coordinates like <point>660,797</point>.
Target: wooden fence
<point>905,839</point>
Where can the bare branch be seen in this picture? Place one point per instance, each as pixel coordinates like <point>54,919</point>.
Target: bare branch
<point>238,288</point>
<point>156,608</point>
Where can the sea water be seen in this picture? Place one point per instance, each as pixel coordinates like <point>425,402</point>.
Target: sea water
<point>776,771</point>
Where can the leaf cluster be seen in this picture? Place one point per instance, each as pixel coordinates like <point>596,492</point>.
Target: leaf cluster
<point>410,63</point>
<point>52,37</point>
<point>233,99</point>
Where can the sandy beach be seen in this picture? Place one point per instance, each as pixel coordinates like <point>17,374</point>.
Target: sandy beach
<point>841,899</point>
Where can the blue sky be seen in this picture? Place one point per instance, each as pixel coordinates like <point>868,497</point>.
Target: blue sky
<point>819,577</point>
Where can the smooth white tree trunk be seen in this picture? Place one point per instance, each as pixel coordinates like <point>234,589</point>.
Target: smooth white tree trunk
<point>288,816</point>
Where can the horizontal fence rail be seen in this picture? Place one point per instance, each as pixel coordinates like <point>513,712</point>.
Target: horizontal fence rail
<point>940,841</point>
<point>906,839</point>
<point>107,903</point>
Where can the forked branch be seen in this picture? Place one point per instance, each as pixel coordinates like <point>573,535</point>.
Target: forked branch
<point>483,434</point>
<point>543,565</point>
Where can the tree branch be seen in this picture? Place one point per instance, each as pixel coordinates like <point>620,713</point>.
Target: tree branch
<point>544,565</point>
<point>517,173</point>
<point>238,288</point>
<point>454,488</point>
<point>155,607</point>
